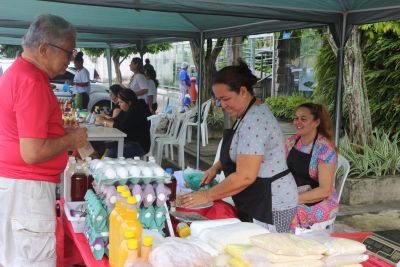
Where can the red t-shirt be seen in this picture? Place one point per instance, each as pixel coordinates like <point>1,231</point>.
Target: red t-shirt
<point>28,109</point>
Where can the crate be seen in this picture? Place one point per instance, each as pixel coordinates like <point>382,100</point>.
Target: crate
<point>78,222</point>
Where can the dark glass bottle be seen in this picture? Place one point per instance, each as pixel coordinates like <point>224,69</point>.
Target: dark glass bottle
<point>172,186</point>
<point>79,184</point>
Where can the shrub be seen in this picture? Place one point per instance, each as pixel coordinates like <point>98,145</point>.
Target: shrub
<point>283,107</point>
<point>382,157</point>
<point>216,118</point>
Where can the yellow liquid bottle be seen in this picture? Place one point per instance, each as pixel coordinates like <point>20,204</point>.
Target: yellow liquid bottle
<point>115,224</point>
<point>131,221</point>
<point>129,252</point>
<point>123,247</point>
<point>147,243</point>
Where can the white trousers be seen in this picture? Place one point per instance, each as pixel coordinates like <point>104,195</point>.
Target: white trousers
<point>27,223</point>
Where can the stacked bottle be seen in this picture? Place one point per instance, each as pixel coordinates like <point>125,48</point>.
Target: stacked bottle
<point>115,223</point>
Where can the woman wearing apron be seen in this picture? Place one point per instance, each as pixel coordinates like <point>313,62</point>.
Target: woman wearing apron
<point>252,157</point>
<point>311,159</point>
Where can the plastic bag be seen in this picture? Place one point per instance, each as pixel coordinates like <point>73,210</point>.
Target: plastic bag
<point>193,179</point>
<point>176,252</point>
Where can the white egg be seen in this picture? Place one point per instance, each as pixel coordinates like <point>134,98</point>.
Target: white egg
<point>110,173</point>
<point>134,171</point>
<point>161,196</point>
<point>122,172</point>
<point>147,172</point>
<point>99,164</point>
<point>149,198</point>
<point>138,197</point>
<point>159,172</point>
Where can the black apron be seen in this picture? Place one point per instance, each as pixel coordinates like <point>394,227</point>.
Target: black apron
<point>299,165</point>
<point>255,201</point>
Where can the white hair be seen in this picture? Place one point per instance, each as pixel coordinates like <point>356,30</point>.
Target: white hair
<point>48,28</point>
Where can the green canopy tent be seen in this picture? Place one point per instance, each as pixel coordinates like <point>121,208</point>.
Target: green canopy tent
<point>114,23</point>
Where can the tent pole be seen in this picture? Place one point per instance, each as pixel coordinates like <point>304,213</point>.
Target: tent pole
<point>200,77</point>
<point>108,56</point>
<point>339,78</point>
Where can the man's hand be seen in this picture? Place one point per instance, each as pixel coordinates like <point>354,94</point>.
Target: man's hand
<point>79,137</point>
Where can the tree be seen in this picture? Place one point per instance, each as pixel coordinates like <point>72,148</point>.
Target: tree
<point>10,51</point>
<point>382,64</point>
<point>355,89</point>
<point>119,55</point>
<point>208,62</point>
<point>356,110</point>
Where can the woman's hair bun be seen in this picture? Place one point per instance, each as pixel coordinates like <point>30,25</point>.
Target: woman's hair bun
<point>79,54</point>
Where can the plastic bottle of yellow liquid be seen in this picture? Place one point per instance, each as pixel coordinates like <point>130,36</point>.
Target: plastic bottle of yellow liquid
<point>147,243</point>
<point>124,250</point>
<point>131,221</point>
<point>132,254</point>
<point>115,222</point>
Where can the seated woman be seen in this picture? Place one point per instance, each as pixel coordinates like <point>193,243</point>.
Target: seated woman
<point>114,91</point>
<point>311,159</point>
<point>132,121</point>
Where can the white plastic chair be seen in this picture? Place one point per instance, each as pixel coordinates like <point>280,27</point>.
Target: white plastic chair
<point>179,140</point>
<point>205,109</point>
<point>154,122</point>
<point>344,164</point>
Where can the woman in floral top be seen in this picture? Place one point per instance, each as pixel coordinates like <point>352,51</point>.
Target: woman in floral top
<point>311,159</point>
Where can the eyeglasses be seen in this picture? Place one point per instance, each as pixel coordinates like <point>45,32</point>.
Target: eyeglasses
<point>69,53</point>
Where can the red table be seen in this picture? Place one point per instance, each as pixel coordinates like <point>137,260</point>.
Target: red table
<point>73,248</point>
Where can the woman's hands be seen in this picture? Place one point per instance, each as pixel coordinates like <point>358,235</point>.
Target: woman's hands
<point>193,199</point>
<point>209,175</point>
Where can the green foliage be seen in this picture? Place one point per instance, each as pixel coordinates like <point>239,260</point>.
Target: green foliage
<point>325,75</point>
<point>125,52</point>
<point>284,107</point>
<point>380,158</point>
<point>380,48</point>
<point>382,65</point>
<point>10,51</point>
<point>216,118</point>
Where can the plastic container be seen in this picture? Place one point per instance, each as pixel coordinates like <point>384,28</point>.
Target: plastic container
<point>77,221</point>
<point>147,243</point>
<point>123,251</point>
<point>132,252</point>
<point>183,229</point>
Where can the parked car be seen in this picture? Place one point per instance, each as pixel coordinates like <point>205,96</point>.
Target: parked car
<point>98,91</point>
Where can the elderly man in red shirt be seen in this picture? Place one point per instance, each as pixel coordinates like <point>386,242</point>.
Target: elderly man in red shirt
<point>34,144</point>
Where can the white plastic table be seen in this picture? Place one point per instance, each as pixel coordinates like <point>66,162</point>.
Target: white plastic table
<point>101,133</point>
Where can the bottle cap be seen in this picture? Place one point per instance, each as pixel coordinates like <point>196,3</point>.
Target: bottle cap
<point>184,231</point>
<point>121,188</point>
<point>169,170</point>
<point>133,244</point>
<point>147,241</point>
<point>126,194</point>
<point>131,200</point>
<point>129,234</point>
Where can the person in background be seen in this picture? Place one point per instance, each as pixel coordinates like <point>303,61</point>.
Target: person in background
<point>132,120</point>
<point>311,159</point>
<point>81,81</point>
<point>34,144</point>
<point>148,66</point>
<point>184,85</point>
<point>138,83</point>
<point>152,94</point>
<point>252,157</point>
<point>114,91</point>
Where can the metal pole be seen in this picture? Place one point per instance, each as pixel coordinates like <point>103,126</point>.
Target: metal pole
<point>273,66</point>
<point>199,99</point>
<point>339,78</point>
<point>108,56</point>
